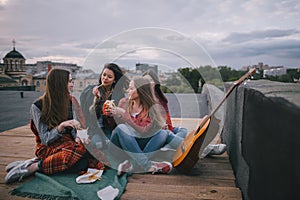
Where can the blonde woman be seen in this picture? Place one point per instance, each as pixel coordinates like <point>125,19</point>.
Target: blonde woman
<point>140,131</point>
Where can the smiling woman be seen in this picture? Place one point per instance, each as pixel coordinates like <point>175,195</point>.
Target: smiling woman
<point>111,87</point>
<point>58,148</point>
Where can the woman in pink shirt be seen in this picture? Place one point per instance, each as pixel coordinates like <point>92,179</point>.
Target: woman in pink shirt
<point>140,131</point>
<point>163,101</point>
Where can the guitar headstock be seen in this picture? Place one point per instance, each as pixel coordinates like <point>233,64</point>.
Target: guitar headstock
<point>249,73</point>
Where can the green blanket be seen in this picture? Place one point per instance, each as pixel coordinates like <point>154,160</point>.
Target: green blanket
<point>64,186</point>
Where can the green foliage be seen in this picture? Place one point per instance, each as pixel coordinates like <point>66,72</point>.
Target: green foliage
<point>177,83</point>
<point>192,76</point>
<point>287,78</point>
<point>188,80</point>
<point>294,73</point>
<point>229,75</point>
<point>290,76</point>
<point>173,80</point>
<point>226,73</point>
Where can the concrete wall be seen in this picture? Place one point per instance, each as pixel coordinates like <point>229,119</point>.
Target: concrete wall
<point>261,131</point>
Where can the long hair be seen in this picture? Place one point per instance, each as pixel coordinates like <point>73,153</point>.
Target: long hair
<point>157,88</point>
<point>118,75</point>
<point>147,100</point>
<point>118,86</point>
<point>56,99</point>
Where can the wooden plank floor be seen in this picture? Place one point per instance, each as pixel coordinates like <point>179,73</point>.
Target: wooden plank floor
<point>212,177</point>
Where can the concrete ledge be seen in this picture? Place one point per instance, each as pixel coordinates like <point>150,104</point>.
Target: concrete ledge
<point>261,131</point>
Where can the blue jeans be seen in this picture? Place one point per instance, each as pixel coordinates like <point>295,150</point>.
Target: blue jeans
<point>138,149</point>
<point>175,138</point>
<point>180,131</point>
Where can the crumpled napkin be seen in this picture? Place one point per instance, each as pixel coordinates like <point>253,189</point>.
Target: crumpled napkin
<point>108,193</point>
<point>90,176</point>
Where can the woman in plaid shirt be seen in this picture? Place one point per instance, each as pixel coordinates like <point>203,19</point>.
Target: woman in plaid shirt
<point>57,147</point>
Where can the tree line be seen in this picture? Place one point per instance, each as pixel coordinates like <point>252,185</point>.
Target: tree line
<point>189,80</point>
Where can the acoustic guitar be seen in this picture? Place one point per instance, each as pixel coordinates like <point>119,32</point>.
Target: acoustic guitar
<point>187,153</point>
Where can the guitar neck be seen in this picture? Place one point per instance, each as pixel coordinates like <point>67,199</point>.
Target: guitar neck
<point>234,85</point>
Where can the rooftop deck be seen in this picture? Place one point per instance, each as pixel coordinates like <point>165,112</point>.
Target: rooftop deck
<point>212,177</point>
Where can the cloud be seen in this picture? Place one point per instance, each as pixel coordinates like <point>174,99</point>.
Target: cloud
<point>275,48</point>
<point>2,4</point>
<point>259,35</point>
<point>154,45</point>
<point>230,31</point>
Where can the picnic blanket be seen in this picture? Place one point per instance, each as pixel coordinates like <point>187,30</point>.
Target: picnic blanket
<point>64,186</point>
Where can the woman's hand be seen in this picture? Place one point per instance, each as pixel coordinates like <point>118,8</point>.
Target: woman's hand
<point>96,91</point>
<point>87,140</point>
<point>84,141</point>
<point>69,123</point>
<point>165,127</point>
<point>107,112</point>
<point>78,140</point>
<point>116,111</point>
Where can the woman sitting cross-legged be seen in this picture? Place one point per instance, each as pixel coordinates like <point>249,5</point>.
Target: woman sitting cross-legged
<point>163,101</point>
<point>57,147</point>
<point>211,149</point>
<point>139,132</point>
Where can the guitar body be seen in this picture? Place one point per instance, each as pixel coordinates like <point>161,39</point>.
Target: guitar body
<point>187,154</point>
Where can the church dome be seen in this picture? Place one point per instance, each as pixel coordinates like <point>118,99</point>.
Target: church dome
<point>14,54</point>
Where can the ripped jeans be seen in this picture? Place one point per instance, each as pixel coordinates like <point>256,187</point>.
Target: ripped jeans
<point>124,139</point>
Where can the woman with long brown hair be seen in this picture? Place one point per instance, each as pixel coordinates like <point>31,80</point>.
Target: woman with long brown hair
<point>163,101</point>
<point>211,149</point>
<point>57,147</point>
<point>111,86</point>
<point>139,133</point>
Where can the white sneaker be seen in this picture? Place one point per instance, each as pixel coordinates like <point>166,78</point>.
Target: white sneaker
<point>162,167</point>
<point>18,162</point>
<point>124,167</point>
<point>13,164</point>
<point>19,172</point>
<point>16,174</point>
<point>213,149</point>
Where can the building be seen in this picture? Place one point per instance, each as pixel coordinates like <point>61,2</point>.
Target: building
<point>42,66</point>
<point>14,68</point>
<point>276,71</point>
<point>39,80</point>
<point>15,74</point>
<point>7,81</point>
<point>84,78</point>
<point>141,68</point>
<point>259,66</point>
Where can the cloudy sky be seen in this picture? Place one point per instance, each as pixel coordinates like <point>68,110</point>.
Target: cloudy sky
<point>235,33</point>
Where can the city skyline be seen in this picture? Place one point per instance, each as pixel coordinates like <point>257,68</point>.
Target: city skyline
<point>231,33</point>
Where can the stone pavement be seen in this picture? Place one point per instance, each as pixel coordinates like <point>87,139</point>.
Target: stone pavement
<point>14,109</point>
